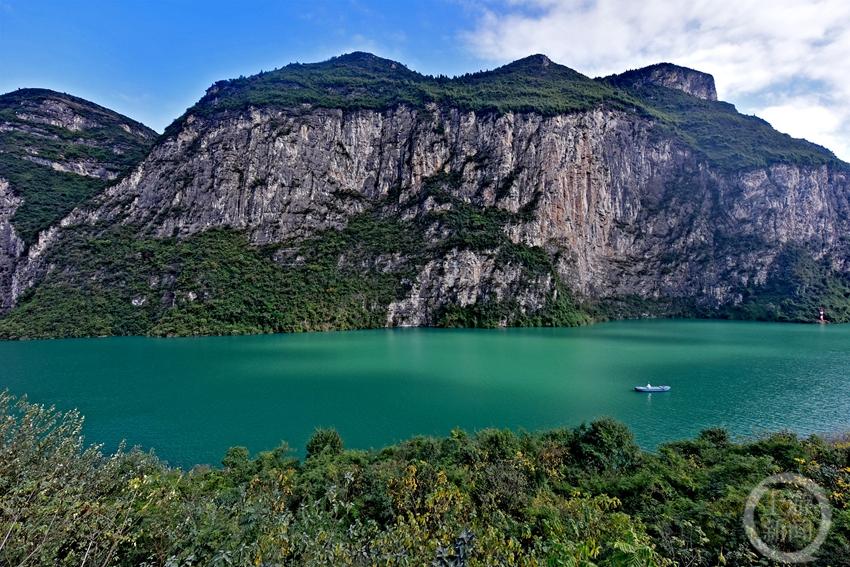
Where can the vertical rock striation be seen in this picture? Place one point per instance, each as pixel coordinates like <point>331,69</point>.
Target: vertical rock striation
<point>11,246</point>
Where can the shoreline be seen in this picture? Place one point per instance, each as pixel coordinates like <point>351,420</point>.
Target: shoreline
<point>402,327</point>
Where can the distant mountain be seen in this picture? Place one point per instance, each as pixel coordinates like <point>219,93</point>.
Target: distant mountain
<point>56,151</point>
<point>357,193</point>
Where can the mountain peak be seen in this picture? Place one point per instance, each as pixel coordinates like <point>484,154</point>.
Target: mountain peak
<point>693,82</point>
<point>368,61</point>
<point>538,60</point>
<point>539,64</point>
<point>30,94</point>
<point>363,56</point>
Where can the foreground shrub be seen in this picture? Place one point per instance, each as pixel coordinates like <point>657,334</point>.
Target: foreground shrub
<point>586,496</point>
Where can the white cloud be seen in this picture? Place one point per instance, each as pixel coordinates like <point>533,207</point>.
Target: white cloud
<point>785,60</point>
<point>806,118</point>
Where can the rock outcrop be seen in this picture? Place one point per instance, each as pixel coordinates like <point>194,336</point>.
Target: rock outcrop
<point>690,81</point>
<point>11,246</point>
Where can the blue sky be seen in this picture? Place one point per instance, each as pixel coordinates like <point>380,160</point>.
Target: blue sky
<point>152,59</point>
<point>785,60</point>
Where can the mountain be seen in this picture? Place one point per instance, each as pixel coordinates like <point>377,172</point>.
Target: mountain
<point>56,151</point>
<point>357,193</point>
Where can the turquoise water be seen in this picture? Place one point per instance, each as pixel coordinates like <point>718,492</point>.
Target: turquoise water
<point>190,399</point>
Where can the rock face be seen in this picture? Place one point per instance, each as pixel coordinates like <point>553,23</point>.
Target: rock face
<point>11,246</point>
<point>690,81</point>
<point>516,211</point>
<point>55,151</point>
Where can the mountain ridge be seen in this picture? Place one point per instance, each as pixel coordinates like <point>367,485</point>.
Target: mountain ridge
<point>518,87</point>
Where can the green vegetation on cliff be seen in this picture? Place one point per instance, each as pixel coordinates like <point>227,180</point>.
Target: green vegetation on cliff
<point>364,81</point>
<point>583,496</point>
<point>727,139</point>
<point>47,195</point>
<point>561,310</point>
<point>216,282</point>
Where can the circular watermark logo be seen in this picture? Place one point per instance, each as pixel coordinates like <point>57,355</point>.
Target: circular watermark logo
<point>792,513</point>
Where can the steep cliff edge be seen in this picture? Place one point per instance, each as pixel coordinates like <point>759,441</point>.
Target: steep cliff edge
<point>357,193</point>
<point>689,81</point>
<point>56,151</point>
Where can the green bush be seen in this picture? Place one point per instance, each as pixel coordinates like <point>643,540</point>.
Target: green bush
<point>324,441</point>
<point>606,445</point>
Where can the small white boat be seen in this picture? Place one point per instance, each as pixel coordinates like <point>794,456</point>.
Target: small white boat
<point>649,388</point>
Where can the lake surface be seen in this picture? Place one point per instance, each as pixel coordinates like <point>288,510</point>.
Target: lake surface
<point>190,399</point>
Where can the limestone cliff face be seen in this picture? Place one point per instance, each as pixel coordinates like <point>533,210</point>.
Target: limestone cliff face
<point>623,211</point>
<point>618,204</point>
